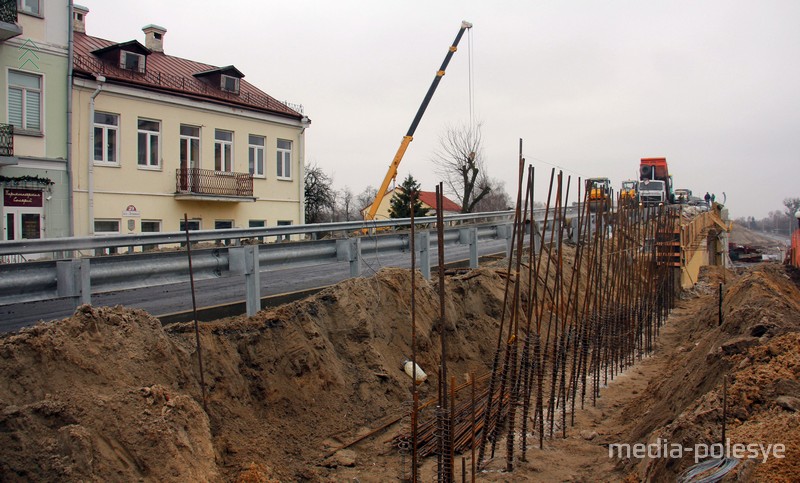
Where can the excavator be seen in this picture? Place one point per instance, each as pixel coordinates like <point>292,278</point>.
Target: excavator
<point>391,174</point>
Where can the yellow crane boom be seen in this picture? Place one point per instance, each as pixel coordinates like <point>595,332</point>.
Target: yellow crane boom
<point>391,174</point>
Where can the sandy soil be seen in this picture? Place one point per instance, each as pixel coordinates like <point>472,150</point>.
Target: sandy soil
<point>110,395</point>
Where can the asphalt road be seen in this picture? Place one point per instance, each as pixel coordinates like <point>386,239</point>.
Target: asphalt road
<point>275,280</point>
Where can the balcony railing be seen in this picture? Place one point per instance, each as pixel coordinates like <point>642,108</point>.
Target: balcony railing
<point>6,140</point>
<point>215,183</point>
<point>8,11</point>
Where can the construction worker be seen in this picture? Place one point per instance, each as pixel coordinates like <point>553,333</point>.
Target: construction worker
<point>707,197</point>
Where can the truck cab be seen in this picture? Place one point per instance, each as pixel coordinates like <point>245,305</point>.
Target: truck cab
<point>652,192</point>
<point>656,169</point>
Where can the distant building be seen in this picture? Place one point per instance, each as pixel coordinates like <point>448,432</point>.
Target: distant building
<point>427,198</point>
<point>34,38</point>
<point>156,136</point>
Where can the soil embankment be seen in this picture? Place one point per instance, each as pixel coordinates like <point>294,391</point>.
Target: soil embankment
<point>110,395</point>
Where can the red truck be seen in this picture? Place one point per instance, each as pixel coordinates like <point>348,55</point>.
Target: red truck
<point>655,182</point>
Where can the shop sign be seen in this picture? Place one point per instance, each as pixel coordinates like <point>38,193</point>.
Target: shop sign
<point>22,197</point>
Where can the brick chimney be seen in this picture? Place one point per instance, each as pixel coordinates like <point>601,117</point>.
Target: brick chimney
<point>154,37</point>
<point>79,13</point>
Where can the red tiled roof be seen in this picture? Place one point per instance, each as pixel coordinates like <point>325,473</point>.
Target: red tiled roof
<point>172,74</point>
<point>429,198</point>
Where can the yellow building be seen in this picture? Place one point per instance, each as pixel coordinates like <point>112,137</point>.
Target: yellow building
<point>156,136</point>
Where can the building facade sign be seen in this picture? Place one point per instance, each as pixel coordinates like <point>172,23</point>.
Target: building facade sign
<point>22,197</point>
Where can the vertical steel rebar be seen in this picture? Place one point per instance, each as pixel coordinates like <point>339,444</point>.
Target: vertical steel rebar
<point>194,312</point>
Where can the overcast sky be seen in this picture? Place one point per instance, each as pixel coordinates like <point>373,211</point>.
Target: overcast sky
<point>590,87</point>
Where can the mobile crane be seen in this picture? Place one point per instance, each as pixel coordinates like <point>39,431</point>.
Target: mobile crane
<point>391,174</point>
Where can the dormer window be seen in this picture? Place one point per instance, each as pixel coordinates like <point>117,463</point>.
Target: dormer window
<point>225,79</point>
<point>229,84</point>
<point>131,61</point>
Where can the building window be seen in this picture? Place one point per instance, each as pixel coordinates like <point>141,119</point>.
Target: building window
<point>194,225</point>
<point>150,226</point>
<point>149,133</point>
<point>106,227</point>
<point>106,129</point>
<point>284,159</point>
<point>223,224</point>
<point>284,223</point>
<point>30,6</point>
<point>223,151</point>
<point>257,224</point>
<point>25,101</point>
<point>229,83</point>
<point>256,155</point>
<point>131,61</point>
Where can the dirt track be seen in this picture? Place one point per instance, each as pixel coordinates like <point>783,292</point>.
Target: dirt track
<point>109,395</point>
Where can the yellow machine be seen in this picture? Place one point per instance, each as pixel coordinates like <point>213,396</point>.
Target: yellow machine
<point>599,190</point>
<point>629,192</point>
<point>391,174</point>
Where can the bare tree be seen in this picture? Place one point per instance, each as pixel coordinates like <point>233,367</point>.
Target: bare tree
<point>347,204</point>
<point>496,200</point>
<point>365,198</point>
<point>459,161</point>
<point>319,196</point>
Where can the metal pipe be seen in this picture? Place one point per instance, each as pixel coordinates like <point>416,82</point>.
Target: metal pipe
<point>70,182</point>
<point>90,180</point>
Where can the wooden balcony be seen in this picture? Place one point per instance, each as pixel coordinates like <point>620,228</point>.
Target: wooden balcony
<point>207,185</point>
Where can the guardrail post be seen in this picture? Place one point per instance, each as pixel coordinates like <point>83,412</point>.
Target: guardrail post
<point>243,260</point>
<point>423,245</point>
<point>469,236</point>
<point>349,249</point>
<point>354,253</point>
<point>73,280</point>
<point>504,233</point>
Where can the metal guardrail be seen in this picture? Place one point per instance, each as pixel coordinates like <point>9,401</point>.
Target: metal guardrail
<point>45,245</point>
<point>79,278</point>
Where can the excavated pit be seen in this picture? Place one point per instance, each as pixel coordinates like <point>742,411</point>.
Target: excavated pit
<point>110,395</point>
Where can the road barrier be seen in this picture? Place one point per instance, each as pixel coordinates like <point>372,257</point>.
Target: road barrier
<point>77,278</point>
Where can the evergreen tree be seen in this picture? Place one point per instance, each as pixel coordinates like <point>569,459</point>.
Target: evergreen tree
<point>400,202</point>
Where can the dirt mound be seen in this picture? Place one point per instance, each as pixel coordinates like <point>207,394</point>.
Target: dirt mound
<point>110,394</point>
<point>104,394</point>
<point>756,348</point>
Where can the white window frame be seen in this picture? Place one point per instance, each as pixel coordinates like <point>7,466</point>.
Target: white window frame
<point>157,222</point>
<point>254,151</point>
<point>110,232</point>
<point>284,160</point>
<point>150,163</point>
<point>199,222</point>
<point>123,56</point>
<point>23,129</point>
<point>105,129</point>
<point>223,83</point>
<point>225,163</point>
